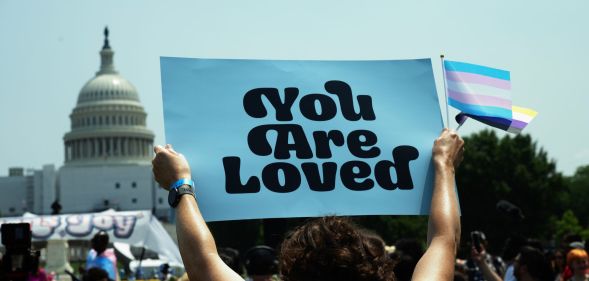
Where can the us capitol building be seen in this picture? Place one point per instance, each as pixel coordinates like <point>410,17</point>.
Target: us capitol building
<point>108,156</point>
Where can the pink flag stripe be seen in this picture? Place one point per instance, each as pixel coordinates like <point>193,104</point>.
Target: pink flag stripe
<point>478,79</point>
<point>479,99</point>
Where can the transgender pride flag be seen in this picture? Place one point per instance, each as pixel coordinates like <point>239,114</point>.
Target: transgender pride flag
<point>478,90</point>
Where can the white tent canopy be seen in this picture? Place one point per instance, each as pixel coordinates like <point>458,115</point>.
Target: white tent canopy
<point>137,228</point>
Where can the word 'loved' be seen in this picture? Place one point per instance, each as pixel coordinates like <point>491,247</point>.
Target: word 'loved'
<point>354,175</point>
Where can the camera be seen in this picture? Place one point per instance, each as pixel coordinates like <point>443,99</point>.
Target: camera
<point>19,259</point>
<point>476,237</point>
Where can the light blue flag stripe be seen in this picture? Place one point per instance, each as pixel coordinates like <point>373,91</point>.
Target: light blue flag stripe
<point>476,69</point>
<point>490,111</point>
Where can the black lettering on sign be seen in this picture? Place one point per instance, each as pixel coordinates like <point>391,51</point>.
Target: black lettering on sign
<point>285,177</point>
<point>257,140</point>
<point>254,107</point>
<point>232,178</point>
<point>344,93</point>
<point>402,155</point>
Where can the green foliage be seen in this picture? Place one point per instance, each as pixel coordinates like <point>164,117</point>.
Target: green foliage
<point>578,198</point>
<point>512,169</point>
<point>568,224</point>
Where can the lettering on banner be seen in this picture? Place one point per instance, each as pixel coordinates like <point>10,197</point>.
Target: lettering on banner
<point>78,225</point>
<point>122,226</point>
<point>42,227</point>
<point>292,141</point>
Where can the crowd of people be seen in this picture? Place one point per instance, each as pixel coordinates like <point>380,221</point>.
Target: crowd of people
<point>335,248</point>
<point>521,259</point>
<point>369,259</point>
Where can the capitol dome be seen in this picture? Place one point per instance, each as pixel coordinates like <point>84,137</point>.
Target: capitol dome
<point>108,122</point>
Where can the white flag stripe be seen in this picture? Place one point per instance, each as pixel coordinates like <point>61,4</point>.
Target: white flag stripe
<point>477,89</point>
<point>522,117</point>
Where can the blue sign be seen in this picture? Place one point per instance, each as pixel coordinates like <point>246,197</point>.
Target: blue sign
<point>273,139</point>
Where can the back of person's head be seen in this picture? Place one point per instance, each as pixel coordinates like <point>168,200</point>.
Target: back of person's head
<point>535,264</point>
<point>95,274</point>
<point>230,257</point>
<point>332,248</point>
<point>374,243</point>
<point>576,254</point>
<point>404,267</point>
<point>512,247</point>
<point>409,246</point>
<point>100,242</point>
<point>261,260</point>
<point>165,268</point>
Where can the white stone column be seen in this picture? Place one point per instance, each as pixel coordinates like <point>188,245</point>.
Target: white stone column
<point>119,146</point>
<point>112,147</point>
<point>87,148</point>
<point>95,152</point>
<point>82,149</point>
<point>103,142</point>
<point>142,147</point>
<point>76,149</point>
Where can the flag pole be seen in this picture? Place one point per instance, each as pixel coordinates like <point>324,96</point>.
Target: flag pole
<point>459,125</point>
<point>445,92</point>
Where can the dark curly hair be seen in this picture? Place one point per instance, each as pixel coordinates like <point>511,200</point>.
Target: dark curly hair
<point>333,248</point>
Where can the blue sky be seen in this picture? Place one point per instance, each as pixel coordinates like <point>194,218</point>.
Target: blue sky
<point>50,49</point>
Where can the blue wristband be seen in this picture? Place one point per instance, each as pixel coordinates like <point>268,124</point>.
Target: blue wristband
<point>182,182</point>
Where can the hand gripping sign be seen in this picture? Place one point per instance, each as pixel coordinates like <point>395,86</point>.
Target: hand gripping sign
<point>268,139</point>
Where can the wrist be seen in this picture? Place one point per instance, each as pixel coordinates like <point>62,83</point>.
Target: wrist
<point>178,189</point>
<point>181,181</point>
<point>443,165</point>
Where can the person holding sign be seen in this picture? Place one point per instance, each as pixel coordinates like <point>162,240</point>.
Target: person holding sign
<point>202,261</point>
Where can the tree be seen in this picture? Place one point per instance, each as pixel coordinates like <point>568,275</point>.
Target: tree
<point>512,169</point>
<point>569,224</point>
<point>579,195</point>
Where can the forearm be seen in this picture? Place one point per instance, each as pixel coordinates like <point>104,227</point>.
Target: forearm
<point>444,221</point>
<point>194,238</point>
<point>197,245</point>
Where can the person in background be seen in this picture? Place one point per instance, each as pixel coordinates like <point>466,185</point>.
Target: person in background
<point>578,261</point>
<point>511,249</point>
<point>101,257</point>
<point>202,262</point>
<point>165,273</point>
<point>230,257</point>
<point>557,262</point>
<point>484,269</point>
<point>531,265</point>
<point>495,263</point>
<point>261,263</point>
<point>38,273</point>
<point>407,252</point>
<point>96,274</point>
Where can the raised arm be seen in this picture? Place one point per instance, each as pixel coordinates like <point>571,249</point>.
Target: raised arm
<point>443,235</point>
<point>196,243</point>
